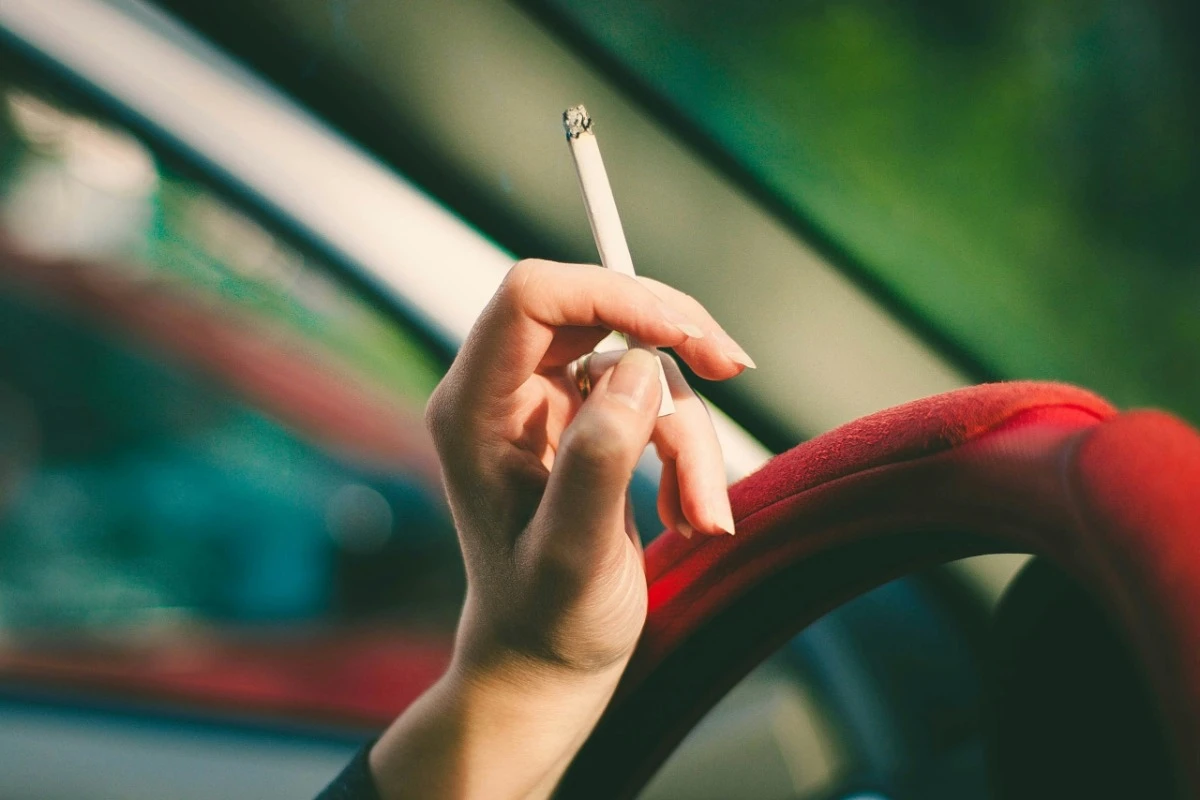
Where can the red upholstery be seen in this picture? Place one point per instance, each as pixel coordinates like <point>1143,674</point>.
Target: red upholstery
<point>1026,467</point>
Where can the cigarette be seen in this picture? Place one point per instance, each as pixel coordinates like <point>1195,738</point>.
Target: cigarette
<point>602,214</point>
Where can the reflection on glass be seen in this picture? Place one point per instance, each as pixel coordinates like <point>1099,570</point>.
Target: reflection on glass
<point>214,481</point>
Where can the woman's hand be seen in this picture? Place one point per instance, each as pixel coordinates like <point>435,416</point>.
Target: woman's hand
<point>537,480</point>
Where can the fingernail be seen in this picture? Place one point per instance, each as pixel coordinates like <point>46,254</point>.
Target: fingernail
<point>680,321</point>
<point>734,352</point>
<point>685,530</point>
<point>738,355</point>
<point>633,378</point>
<point>724,518</point>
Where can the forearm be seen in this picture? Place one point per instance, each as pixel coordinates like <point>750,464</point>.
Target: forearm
<point>486,736</point>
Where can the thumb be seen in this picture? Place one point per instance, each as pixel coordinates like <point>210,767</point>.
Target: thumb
<point>585,493</point>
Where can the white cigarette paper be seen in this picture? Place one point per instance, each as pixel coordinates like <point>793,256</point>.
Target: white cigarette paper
<point>602,214</point>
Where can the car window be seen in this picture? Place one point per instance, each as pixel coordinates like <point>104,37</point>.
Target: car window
<point>393,77</point>
<point>215,486</point>
<point>1023,174</point>
<point>216,492</point>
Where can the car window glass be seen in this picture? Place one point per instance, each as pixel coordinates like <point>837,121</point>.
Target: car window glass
<point>215,486</point>
<point>1023,174</point>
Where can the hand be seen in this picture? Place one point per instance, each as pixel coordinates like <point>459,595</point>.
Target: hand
<point>537,481</point>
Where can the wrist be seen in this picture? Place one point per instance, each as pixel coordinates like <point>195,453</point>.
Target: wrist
<point>535,648</point>
<point>503,726</point>
<point>504,666</point>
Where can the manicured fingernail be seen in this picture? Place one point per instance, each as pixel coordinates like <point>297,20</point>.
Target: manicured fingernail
<point>680,321</point>
<point>633,378</point>
<point>724,518</point>
<point>734,352</point>
<point>738,355</point>
<point>685,530</point>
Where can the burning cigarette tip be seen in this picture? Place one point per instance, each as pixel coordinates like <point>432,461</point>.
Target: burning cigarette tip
<point>576,122</point>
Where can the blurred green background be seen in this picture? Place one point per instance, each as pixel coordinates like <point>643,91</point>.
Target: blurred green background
<point>1024,174</point>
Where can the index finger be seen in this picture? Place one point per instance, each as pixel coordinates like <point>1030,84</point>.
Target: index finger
<point>512,335</point>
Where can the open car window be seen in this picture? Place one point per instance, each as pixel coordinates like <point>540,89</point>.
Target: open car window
<point>215,486</point>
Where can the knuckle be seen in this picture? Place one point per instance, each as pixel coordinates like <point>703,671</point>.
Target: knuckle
<point>438,414</point>
<point>433,413</point>
<point>524,274</point>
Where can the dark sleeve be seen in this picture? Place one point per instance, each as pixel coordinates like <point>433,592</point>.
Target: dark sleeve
<point>355,781</point>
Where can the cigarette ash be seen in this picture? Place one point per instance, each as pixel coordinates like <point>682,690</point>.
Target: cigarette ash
<point>576,122</point>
